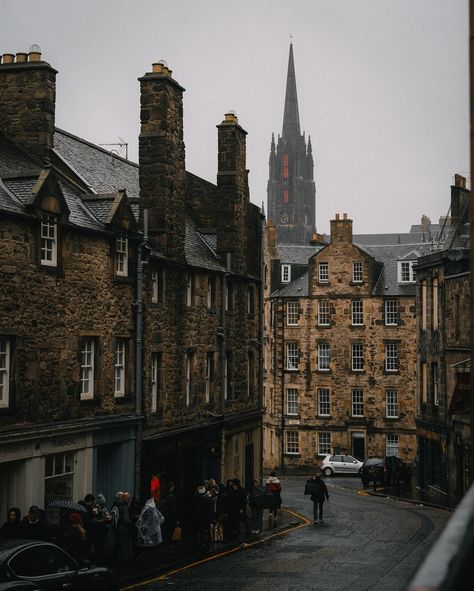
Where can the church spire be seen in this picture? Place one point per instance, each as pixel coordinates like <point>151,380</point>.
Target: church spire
<point>291,118</point>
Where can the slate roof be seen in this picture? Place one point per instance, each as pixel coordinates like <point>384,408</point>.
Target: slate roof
<point>296,289</point>
<point>197,250</point>
<point>298,255</point>
<point>394,238</point>
<point>103,171</point>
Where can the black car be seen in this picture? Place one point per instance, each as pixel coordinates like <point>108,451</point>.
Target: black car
<point>388,470</point>
<point>49,568</point>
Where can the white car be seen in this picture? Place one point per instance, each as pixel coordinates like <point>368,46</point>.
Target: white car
<point>340,465</point>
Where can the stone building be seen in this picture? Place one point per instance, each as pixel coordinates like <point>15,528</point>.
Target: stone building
<point>291,190</point>
<point>340,354</point>
<point>130,325</point>
<point>443,354</point>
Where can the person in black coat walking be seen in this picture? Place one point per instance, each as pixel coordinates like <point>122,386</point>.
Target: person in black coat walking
<point>319,492</point>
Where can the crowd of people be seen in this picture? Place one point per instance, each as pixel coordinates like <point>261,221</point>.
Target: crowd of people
<point>93,531</point>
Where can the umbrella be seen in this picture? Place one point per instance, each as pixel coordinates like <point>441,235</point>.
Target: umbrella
<point>70,505</point>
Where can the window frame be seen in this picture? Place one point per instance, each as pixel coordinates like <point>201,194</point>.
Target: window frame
<point>294,444</point>
<point>120,367</point>
<point>158,285</point>
<point>393,445</point>
<point>357,312</point>
<point>391,404</point>
<point>292,406</point>
<point>291,314</point>
<point>5,370</point>
<point>324,314</point>
<point>156,380</point>
<point>48,243</point>
<point>189,289</point>
<point>392,357</point>
<point>87,367</point>
<point>121,255</point>
<point>393,314</point>
<point>292,360</point>
<point>406,273</point>
<point>324,447</point>
<point>211,292</point>
<point>324,357</point>
<point>357,272</point>
<point>324,405</point>
<point>357,357</point>
<point>357,400</point>
<point>286,273</point>
<point>323,272</point>
<point>208,376</point>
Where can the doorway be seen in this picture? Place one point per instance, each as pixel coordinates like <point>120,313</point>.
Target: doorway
<point>358,445</point>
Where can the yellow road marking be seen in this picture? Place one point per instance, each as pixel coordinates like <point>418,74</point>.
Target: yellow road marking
<point>220,554</point>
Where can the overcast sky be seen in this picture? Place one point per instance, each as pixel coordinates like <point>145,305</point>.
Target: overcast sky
<point>382,87</point>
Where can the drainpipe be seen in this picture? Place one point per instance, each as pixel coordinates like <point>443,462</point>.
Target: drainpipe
<point>260,339</point>
<point>283,359</point>
<point>139,352</point>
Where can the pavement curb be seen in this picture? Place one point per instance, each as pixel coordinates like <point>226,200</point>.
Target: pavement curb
<point>181,562</point>
<point>409,500</point>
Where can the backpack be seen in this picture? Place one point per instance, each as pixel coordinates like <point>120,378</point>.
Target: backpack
<point>312,487</point>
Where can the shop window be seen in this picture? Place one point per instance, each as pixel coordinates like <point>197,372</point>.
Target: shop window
<point>59,477</point>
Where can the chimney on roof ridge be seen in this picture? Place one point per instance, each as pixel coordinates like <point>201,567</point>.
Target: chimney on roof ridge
<point>459,181</point>
<point>27,102</point>
<point>341,230</point>
<point>337,216</point>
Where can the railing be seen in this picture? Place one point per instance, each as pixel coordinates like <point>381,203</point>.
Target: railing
<point>449,564</point>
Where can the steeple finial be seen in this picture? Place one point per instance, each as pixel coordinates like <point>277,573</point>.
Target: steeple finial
<point>291,118</point>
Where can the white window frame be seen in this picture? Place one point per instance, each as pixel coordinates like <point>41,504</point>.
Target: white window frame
<point>391,404</point>
<point>87,368</point>
<point>357,402</point>
<point>120,373</point>
<point>292,443</point>
<point>324,313</point>
<point>121,262</point>
<point>157,286</point>
<point>323,272</point>
<point>392,444</point>
<point>5,350</point>
<point>292,313</point>
<point>357,312</point>
<point>357,357</point>
<point>324,402</point>
<point>435,299</point>
<point>424,304</point>
<point>156,378</point>
<point>324,443</point>
<point>286,273</point>
<point>49,240</point>
<point>292,356</point>
<point>189,289</point>
<point>406,273</point>
<point>292,402</point>
<point>324,357</point>
<point>392,361</point>
<point>391,312</point>
<point>357,272</point>
<point>208,376</point>
<point>189,364</point>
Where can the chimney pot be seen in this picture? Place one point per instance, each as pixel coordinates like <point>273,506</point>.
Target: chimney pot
<point>21,58</point>
<point>337,216</point>
<point>459,181</point>
<point>231,116</point>
<point>345,216</point>
<point>8,58</point>
<point>161,67</point>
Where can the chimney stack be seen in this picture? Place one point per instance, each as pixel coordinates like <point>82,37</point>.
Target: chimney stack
<point>232,190</point>
<point>27,102</point>
<point>459,201</point>
<point>341,230</point>
<point>162,160</point>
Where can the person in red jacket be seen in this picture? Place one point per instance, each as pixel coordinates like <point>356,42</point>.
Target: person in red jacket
<point>273,484</point>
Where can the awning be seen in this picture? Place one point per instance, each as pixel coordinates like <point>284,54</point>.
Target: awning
<point>461,398</point>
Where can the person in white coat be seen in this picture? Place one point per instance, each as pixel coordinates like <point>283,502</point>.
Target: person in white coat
<point>149,525</point>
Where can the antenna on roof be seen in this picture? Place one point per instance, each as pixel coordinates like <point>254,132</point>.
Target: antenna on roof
<point>121,144</point>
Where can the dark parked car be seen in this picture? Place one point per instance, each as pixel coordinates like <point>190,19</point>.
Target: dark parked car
<point>388,470</point>
<point>19,586</point>
<point>49,568</point>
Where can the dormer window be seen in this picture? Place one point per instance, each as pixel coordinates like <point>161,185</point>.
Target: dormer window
<point>121,261</point>
<point>406,273</point>
<point>285,273</point>
<point>49,240</point>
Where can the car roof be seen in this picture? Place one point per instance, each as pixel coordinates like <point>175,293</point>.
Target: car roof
<point>9,546</point>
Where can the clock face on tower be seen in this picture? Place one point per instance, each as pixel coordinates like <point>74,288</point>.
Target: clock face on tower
<point>284,218</point>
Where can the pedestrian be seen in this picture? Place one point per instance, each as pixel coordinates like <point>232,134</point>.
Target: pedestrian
<point>149,525</point>
<point>256,505</point>
<point>76,541</point>
<point>12,527</point>
<point>169,509</point>
<point>236,504</point>
<point>274,486</point>
<point>32,527</point>
<point>203,513</point>
<point>318,490</point>
<point>123,528</point>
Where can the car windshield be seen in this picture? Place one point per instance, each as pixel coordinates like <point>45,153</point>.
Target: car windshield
<point>373,461</point>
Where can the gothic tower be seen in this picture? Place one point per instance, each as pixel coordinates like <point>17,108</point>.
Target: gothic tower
<point>291,191</point>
